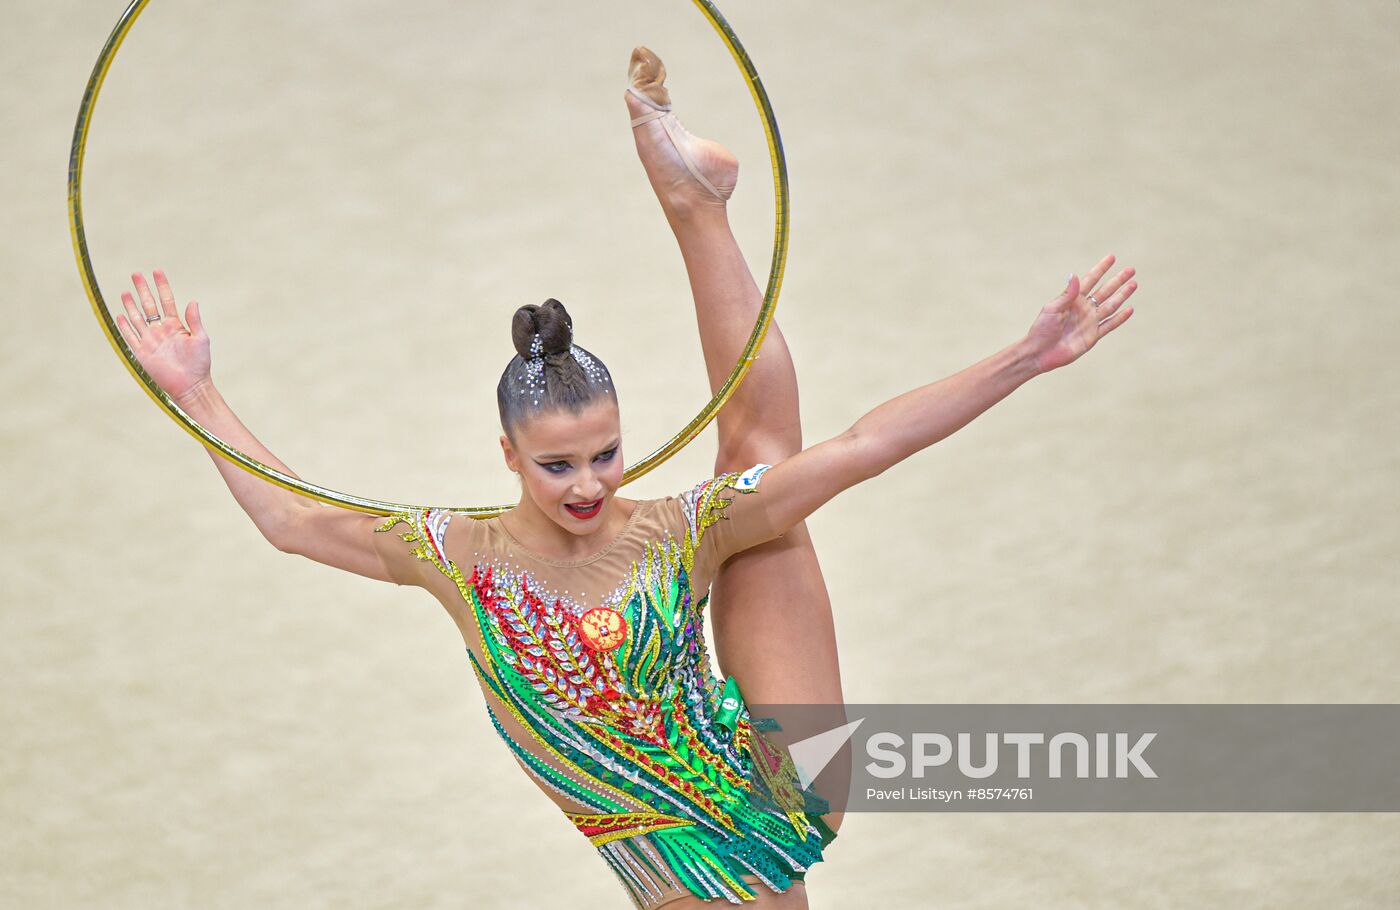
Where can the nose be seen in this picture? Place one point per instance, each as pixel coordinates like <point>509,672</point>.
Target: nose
<point>588,487</point>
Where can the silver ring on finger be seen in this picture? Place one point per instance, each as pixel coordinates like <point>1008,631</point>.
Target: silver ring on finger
<point>150,319</point>
<point>1093,298</point>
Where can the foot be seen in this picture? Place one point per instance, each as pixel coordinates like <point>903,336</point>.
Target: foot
<point>661,150</point>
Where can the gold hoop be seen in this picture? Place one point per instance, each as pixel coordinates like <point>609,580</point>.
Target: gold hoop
<point>380,507</point>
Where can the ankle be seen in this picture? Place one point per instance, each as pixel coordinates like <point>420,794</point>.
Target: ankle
<point>690,213</point>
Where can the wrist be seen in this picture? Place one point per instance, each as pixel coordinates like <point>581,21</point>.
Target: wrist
<point>201,392</point>
<point>1025,359</point>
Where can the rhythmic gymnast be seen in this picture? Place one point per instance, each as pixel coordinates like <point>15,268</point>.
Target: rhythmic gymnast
<point>581,611</point>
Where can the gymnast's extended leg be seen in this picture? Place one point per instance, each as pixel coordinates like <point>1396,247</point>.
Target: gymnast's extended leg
<point>770,607</point>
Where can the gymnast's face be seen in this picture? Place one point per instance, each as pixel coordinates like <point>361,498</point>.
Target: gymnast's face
<point>570,465</point>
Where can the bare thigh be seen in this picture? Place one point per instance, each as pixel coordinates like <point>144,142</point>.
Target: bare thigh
<point>770,609</point>
<point>775,634</point>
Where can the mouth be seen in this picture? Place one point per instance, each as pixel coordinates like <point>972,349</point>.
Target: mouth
<point>584,510</point>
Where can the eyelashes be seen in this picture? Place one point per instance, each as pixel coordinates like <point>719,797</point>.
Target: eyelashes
<point>559,467</point>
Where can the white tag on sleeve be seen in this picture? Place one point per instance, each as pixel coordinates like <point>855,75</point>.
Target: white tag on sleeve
<point>748,481</point>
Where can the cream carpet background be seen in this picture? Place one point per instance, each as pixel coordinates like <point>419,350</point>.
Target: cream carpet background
<point>1201,510</point>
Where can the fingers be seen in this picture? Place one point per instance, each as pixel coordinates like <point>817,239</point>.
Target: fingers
<point>132,339</point>
<point>148,300</point>
<point>1092,276</point>
<point>1113,311</point>
<point>137,325</point>
<point>1066,297</point>
<point>192,317</point>
<point>135,321</point>
<point>1103,294</point>
<point>144,319</point>
<point>1108,305</point>
<point>1108,298</point>
<point>1114,321</point>
<point>167,298</point>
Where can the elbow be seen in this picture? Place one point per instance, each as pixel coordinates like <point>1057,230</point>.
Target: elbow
<point>867,457</point>
<point>283,535</point>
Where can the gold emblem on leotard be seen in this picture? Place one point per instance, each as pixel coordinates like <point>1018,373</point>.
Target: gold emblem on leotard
<point>602,628</point>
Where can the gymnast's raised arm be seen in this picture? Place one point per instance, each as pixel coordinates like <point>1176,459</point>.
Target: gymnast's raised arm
<point>177,358</point>
<point>1065,329</point>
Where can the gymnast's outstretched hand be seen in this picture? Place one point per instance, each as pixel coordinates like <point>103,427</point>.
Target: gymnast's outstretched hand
<point>1071,324</point>
<point>176,357</point>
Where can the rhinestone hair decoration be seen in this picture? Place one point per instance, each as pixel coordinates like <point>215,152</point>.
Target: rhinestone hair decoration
<point>534,384</point>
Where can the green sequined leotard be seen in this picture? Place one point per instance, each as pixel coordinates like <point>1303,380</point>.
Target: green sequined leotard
<point>609,702</point>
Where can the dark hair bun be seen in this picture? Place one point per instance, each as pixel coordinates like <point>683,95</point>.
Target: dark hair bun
<point>548,371</point>
<point>550,320</point>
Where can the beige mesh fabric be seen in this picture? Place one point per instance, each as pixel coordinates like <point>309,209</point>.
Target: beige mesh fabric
<point>744,521</point>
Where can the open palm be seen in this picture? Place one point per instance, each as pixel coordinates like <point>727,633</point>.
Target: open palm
<point>1071,324</point>
<point>176,357</point>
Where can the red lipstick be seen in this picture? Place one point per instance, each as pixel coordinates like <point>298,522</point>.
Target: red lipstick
<point>593,508</point>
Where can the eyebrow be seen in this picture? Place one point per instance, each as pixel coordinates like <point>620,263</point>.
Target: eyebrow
<point>614,445</point>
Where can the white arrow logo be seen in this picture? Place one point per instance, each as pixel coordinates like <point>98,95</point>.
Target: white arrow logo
<point>816,752</point>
